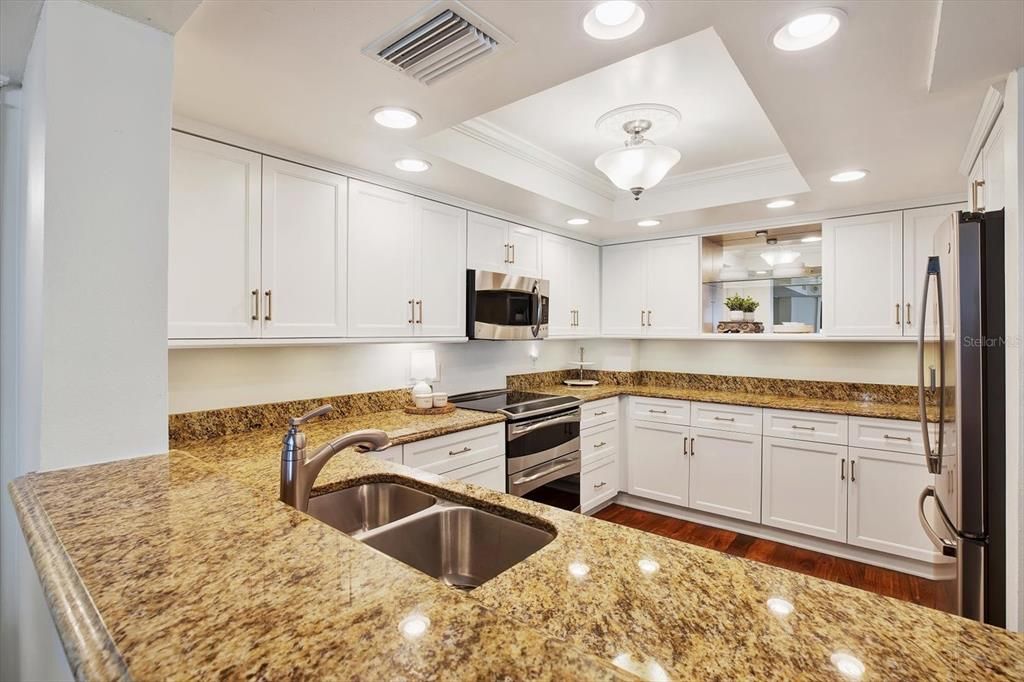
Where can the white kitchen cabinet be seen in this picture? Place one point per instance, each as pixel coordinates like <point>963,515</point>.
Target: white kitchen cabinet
<point>213,263</point>
<point>573,269</point>
<point>500,246</point>
<point>651,288</point>
<point>599,482</point>
<point>986,184</point>
<point>921,226</point>
<point>804,487</point>
<point>658,467</point>
<point>304,240</point>
<point>406,264</point>
<point>489,473</point>
<point>725,473</point>
<point>862,276</point>
<point>882,512</point>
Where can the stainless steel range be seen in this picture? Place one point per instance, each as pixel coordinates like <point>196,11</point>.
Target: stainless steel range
<point>542,443</point>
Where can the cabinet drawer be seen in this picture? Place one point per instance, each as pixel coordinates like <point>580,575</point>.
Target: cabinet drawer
<point>892,435</point>
<point>599,412</point>
<point>812,426</point>
<point>445,453</point>
<point>661,410</point>
<point>599,481</point>
<point>726,417</point>
<point>599,441</point>
<point>489,473</point>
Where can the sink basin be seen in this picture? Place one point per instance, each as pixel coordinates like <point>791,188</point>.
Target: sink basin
<point>368,506</point>
<point>461,546</point>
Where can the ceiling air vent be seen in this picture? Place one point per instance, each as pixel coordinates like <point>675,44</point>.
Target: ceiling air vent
<point>430,49</point>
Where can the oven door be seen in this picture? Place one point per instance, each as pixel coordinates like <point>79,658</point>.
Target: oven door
<point>535,441</point>
<point>555,483</point>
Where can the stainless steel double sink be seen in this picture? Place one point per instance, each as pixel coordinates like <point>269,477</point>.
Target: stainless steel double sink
<point>461,546</point>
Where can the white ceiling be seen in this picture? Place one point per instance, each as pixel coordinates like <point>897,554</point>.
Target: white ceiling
<point>292,73</point>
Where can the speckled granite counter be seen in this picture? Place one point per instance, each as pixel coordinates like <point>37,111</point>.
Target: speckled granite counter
<point>185,566</point>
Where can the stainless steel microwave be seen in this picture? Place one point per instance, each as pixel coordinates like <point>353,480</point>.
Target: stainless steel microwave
<point>506,307</point>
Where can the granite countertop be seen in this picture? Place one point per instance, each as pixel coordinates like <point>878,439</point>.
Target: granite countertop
<point>855,408</point>
<point>186,566</point>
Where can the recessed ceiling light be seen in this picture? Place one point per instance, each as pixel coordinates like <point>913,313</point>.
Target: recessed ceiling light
<point>811,239</point>
<point>648,223</point>
<point>780,203</point>
<point>412,165</point>
<point>395,117</point>
<point>848,176</point>
<point>809,29</point>
<point>577,221</point>
<point>613,19</point>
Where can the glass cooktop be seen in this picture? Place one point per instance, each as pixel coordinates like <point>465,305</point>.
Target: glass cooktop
<point>512,403</point>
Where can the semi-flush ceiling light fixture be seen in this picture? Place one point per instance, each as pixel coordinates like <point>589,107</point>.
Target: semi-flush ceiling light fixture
<point>578,221</point>
<point>809,29</point>
<point>776,255</point>
<point>640,164</point>
<point>780,203</point>
<point>849,176</point>
<point>412,165</point>
<point>613,20</point>
<point>395,117</point>
<point>649,223</point>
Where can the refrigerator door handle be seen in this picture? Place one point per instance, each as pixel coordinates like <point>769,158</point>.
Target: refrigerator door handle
<point>932,457</point>
<point>948,547</point>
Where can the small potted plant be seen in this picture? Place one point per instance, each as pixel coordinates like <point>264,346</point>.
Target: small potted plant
<point>750,305</point>
<point>736,305</point>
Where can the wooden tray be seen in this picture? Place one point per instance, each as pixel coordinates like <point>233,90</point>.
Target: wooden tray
<point>445,409</point>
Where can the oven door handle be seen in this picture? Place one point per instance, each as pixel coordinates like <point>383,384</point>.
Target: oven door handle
<point>516,431</point>
<point>559,468</point>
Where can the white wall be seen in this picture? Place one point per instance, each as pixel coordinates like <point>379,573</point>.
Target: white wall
<point>84,304</point>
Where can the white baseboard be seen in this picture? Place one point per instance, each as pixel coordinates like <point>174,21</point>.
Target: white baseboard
<point>920,569</point>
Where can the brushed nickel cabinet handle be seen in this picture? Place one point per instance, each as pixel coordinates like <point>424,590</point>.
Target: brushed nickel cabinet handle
<point>600,445</point>
<point>412,311</point>
<point>908,317</point>
<point>270,308</point>
<point>600,485</point>
<point>255,304</point>
<point>853,471</point>
<point>842,470</point>
<point>897,314</point>
<point>506,253</point>
<point>649,318</point>
<point>420,304</point>
<point>642,323</point>
<point>693,447</point>
<point>512,247</point>
<point>888,437</point>
<point>685,450</point>
<point>601,413</point>
<point>974,195</point>
<point>658,411</point>
<point>802,428</point>
<point>452,453</point>
<point>725,419</point>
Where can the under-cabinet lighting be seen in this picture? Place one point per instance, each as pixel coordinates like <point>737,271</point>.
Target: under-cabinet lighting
<point>810,240</point>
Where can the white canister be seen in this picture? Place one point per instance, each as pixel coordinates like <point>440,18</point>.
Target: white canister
<point>440,399</point>
<point>423,400</point>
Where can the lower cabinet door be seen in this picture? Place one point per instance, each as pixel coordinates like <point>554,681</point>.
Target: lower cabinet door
<point>725,473</point>
<point>490,474</point>
<point>599,482</point>
<point>658,469</point>
<point>884,488</point>
<point>804,487</point>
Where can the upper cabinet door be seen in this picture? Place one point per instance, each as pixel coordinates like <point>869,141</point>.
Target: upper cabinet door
<point>214,241</point>
<point>441,270</point>
<point>305,235</point>
<point>925,232</point>
<point>673,287</point>
<point>487,244</point>
<point>381,261</point>
<point>862,276</point>
<point>524,251</point>
<point>585,287</point>
<point>992,195</point>
<point>623,289</point>
<point>557,270</point>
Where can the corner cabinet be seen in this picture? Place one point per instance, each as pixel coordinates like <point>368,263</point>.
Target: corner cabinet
<point>574,270</point>
<point>407,261</point>
<point>236,272</point>
<point>651,289</point>
<point>500,246</point>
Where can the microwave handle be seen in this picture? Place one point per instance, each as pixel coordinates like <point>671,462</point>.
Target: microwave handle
<point>539,307</point>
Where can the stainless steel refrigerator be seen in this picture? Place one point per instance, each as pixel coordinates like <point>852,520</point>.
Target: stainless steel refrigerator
<point>962,384</point>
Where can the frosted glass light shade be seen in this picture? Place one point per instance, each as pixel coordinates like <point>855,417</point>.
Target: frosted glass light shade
<point>642,166</point>
<point>423,365</point>
<point>777,257</point>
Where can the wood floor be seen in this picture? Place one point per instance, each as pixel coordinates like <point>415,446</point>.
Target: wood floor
<point>879,580</point>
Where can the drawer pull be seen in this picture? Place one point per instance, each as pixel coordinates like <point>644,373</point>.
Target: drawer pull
<point>904,438</point>
<point>724,419</point>
<point>599,485</point>
<point>600,414</point>
<point>658,411</point>
<point>802,428</point>
<point>600,445</point>
<point>452,453</point>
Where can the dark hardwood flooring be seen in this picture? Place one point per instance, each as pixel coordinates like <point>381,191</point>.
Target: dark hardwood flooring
<point>871,578</point>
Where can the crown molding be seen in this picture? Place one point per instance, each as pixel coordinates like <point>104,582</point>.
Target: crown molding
<point>990,108</point>
<point>493,135</point>
<point>768,165</point>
